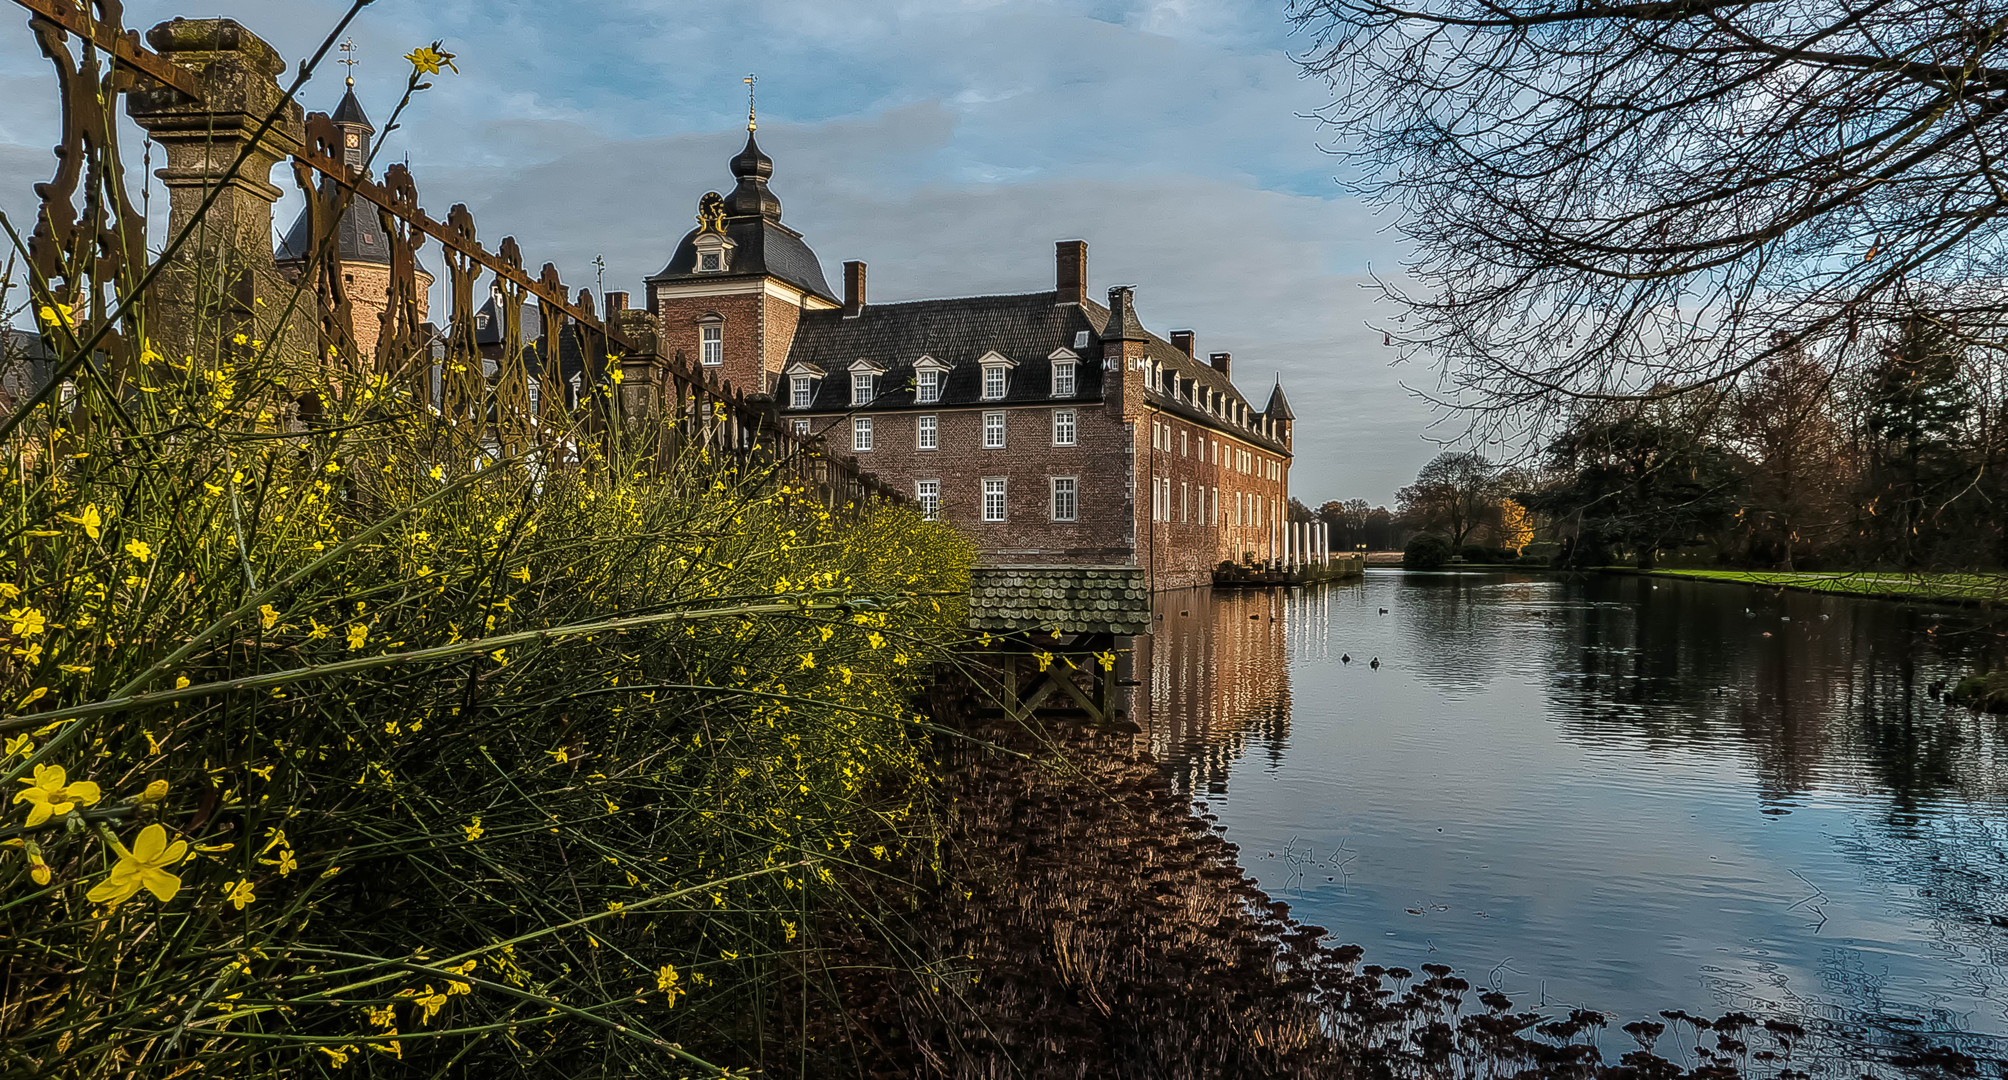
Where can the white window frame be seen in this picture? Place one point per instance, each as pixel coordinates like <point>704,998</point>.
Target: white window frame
<point>1184,446</point>
<point>996,382</point>
<point>801,392</point>
<point>1066,377</point>
<point>927,386</point>
<point>928,494</point>
<point>1000,487</point>
<point>1071,487</point>
<point>994,426</point>
<point>1066,427</point>
<point>927,433</point>
<point>864,387</point>
<point>802,427</point>
<point>861,434</point>
<point>711,343</point>
<point>1184,503</point>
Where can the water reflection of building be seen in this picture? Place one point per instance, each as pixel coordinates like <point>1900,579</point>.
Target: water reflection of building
<point>1215,674</point>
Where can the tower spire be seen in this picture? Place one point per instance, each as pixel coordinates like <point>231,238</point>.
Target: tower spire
<point>349,59</point>
<point>751,124</point>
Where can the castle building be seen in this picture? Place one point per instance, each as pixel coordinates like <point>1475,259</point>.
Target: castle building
<point>363,249</point>
<point>1048,427</point>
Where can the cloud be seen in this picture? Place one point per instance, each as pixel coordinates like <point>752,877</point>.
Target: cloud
<point>947,142</point>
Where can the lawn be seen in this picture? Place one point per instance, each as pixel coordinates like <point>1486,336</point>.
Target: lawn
<point>1893,585</point>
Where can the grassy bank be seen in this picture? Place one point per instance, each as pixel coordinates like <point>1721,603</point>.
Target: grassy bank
<point>1887,585</point>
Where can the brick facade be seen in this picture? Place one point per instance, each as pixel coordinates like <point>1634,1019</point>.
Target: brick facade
<point>1172,471</point>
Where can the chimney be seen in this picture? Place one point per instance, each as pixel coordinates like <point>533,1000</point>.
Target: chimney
<point>616,303</point>
<point>1183,340</point>
<point>854,289</point>
<point>1220,360</point>
<point>1070,271</point>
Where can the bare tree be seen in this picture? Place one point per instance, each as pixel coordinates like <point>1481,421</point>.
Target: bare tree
<point>1783,419</point>
<point>1611,199</point>
<point>1455,492</point>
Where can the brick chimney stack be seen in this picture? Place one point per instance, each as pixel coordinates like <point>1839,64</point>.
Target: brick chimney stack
<point>1183,340</point>
<point>1070,271</point>
<point>854,289</point>
<point>617,302</point>
<point>1220,361</point>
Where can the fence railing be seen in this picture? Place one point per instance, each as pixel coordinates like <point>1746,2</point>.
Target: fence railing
<point>207,94</point>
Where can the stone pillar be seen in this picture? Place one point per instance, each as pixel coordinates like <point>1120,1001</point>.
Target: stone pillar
<point>225,267</point>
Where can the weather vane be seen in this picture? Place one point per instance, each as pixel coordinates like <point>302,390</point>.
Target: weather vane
<point>749,81</point>
<point>349,59</point>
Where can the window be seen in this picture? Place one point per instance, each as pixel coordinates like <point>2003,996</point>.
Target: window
<point>802,428</point>
<point>798,392</point>
<point>1216,506</point>
<point>1216,451</point>
<point>993,498</point>
<point>864,387</point>
<point>1063,427</point>
<point>1238,507</point>
<point>711,343</point>
<point>1066,498</point>
<point>1183,450</point>
<point>927,434</point>
<point>996,377</point>
<point>711,261</point>
<point>928,494</point>
<point>993,431</point>
<point>861,433</point>
<point>927,386</point>
<point>1184,504</point>
<point>1063,379</point>
<point>1080,339</point>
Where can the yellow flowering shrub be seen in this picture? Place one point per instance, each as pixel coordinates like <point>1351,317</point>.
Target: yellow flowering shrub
<point>345,745</point>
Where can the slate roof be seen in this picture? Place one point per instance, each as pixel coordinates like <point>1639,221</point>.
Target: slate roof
<point>359,236</point>
<point>761,245</point>
<point>1061,599</point>
<point>1279,406</point>
<point>1025,327</point>
<point>25,364</point>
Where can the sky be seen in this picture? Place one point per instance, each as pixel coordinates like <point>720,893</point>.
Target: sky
<point>947,143</point>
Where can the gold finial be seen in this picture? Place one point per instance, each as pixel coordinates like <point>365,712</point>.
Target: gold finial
<point>349,58</point>
<point>749,80</point>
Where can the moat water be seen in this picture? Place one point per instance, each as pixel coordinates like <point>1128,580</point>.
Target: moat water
<point>1625,794</point>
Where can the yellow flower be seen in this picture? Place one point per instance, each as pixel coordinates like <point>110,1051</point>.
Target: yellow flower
<point>50,794</point>
<point>474,830</point>
<point>21,745</point>
<point>181,682</point>
<point>521,573</point>
<point>59,315</point>
<point>27,622</point>
<point>558,756</point>
<point>338,1056</point>
<point>358,633</point>
<point>143,866</point>
<point>500,656</point>
<point>438,472</point>
<point>34,696</point>
<point>268,616</point>
<point>89,519</point>
<point>315,631</point>
<point>139,550</point>
<point>428,59</point>
<point>665,981</point>
<point>238,893</point>
<point>155,791</point>
<point>431,1003</point>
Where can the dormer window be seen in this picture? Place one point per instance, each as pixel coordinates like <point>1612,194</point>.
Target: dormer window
<point>714,253</point>
<point>1080,339</point>
<point>800,392</point>
<point>996,375</point>
<point>929,377</point>
<point>1066,365</point>
<point>864,387</point>
<point>711,262</point>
